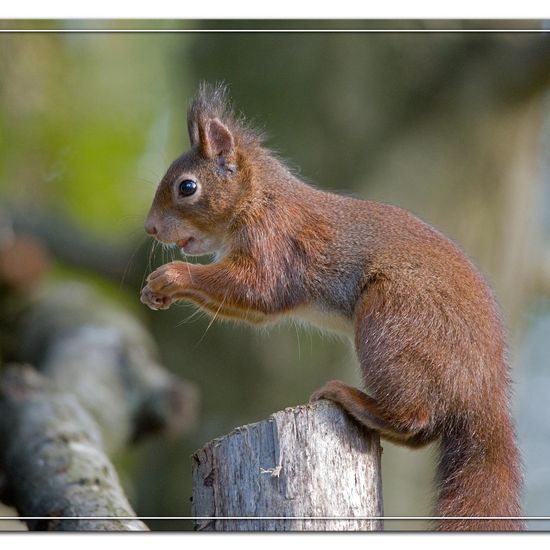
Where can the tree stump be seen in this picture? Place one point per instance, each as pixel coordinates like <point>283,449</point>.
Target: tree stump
<point>307,468</point>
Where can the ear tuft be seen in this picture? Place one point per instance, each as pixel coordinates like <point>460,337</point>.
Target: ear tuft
<point>212,124</point>
<point>193,130</point>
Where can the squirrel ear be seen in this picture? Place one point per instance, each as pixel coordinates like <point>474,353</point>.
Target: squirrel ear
<point>216,140</point>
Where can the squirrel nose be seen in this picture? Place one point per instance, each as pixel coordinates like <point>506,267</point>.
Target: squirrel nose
<point>150,228</point>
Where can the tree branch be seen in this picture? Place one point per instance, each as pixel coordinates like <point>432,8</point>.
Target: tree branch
<point>53,458</point>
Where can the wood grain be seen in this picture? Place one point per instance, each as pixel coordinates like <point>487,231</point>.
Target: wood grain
<point>308,462</point>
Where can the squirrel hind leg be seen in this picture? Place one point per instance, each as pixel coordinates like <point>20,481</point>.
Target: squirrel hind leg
<point>414,432</point>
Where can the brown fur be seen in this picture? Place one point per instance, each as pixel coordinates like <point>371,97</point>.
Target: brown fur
<point>426,327</point>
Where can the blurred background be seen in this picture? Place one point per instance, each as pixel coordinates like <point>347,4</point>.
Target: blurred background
<point>454,127</point>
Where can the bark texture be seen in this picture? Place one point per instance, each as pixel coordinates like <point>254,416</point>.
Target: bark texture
<point>95,387</point>
<point>307,462</point>
<point>53,460</point>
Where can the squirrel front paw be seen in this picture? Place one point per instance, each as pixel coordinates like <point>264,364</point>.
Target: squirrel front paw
<point>163,285</point>
<point>153,300</point>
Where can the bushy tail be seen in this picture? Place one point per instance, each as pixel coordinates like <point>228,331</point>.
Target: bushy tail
<point>479,476</point>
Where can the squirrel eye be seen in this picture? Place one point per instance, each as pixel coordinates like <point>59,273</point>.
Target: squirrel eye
<point>187,188</point>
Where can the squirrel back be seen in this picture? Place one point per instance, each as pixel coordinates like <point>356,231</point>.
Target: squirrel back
<point>425,324</point>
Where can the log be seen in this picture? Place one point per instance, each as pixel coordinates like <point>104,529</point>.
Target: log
<point>90,346</point>
<point>95,387</point>
<point>53,460</point>
<point>292,472</point>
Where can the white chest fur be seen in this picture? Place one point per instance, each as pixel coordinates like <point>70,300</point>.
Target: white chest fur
<point>329,321</point>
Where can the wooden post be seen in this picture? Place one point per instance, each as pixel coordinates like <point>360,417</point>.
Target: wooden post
<point>307,462</point>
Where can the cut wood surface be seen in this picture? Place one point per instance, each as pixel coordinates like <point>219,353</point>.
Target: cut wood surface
<point>296,469</point>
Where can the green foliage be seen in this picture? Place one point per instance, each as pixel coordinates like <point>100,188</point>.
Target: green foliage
<point>77,119</point>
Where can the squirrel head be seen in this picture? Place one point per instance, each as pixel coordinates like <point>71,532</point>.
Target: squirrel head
<point>199,196</point>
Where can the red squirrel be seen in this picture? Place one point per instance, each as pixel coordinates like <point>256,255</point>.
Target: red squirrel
<point>425,324</point>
